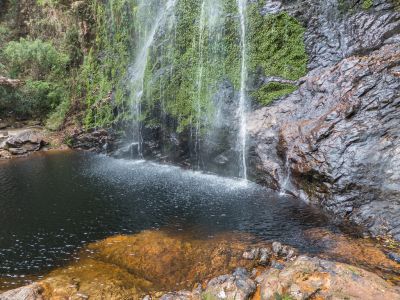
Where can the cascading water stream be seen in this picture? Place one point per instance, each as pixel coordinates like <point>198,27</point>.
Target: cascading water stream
<point>182,78</point>
<point>138,73</point>
<point>199,82</point>
<point>285,186</point>
<point>243,98</point>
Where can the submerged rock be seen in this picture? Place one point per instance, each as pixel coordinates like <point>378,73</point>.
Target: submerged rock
<point>154,262</point>
<point>394,256</point>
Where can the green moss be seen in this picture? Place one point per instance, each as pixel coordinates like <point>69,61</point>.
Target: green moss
<point>208,296</point>
<point>185,93</point>
<point>367,4</point>
<point>173,86</point>
<point>283,296</point>
<point>276,49</point>
<point>272,91</point>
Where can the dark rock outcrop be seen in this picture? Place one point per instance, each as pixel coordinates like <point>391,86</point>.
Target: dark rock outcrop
<point>340,29</point>
<point>99,141</point>
<point>338,137</point>
<point>336,141</point>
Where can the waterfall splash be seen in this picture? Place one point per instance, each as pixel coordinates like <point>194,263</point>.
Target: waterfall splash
<point>243,97</point>
<point>137,71</point>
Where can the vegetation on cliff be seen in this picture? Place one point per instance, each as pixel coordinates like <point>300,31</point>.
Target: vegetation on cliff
<point>75,55</point>
<point>276,49</point>
<point>40,46</point>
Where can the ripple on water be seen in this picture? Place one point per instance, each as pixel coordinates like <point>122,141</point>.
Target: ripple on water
<point>53,205</point>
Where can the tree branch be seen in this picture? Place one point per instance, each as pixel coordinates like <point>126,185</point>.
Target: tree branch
<point>10,82</point>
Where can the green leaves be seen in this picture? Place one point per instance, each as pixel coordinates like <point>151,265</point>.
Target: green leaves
<point>35,59</point>
<point>43,69</point>
<point>277,48</point>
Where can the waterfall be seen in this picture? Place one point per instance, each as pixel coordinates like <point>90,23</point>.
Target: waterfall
<point>286,184</point>
<point>243,98</point>
<point>190,63</point>
<point>137,71</point>
<point>199,82</point>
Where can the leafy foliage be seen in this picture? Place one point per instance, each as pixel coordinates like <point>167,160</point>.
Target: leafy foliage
<point>105,67</point>
<point>276,49</point>
<point>36,59</point>
<point>42,67</point>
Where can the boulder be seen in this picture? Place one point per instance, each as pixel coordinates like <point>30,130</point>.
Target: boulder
<point>30,292</point>
<point>237,286</point>
<point>23,142</point>
<point>32,138</point>
<point>314,278</point>
<point>4,125</point>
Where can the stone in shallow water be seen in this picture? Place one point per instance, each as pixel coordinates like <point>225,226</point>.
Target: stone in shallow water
<point>154,262</point>
<point>181,295</point>
<point>276,247</point>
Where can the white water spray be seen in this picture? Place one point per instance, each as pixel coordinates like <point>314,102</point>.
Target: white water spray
<point>243,98</point>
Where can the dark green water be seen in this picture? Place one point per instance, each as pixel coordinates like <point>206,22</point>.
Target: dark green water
<point>53,204</point>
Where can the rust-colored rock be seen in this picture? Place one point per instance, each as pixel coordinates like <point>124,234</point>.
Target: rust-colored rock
<point>314,278</point>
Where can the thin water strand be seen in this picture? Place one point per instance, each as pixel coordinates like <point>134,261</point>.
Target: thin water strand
<point>243,98</point>
<point>138,74</point>
<point>199,82</point>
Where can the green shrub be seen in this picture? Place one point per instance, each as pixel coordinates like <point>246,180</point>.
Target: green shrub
<point>4,32</point>
<point>277,49</point>
<point>57,117</point>
<point>47,2</point>
<point>43,69</point>
<point>33,99</point>
<point>34,59</point>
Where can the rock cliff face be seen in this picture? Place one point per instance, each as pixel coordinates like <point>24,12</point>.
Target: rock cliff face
<point>336,140</point>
